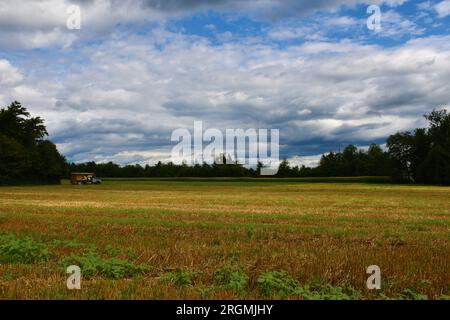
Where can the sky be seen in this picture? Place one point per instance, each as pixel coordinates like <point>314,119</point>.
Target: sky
<point>135,70</point>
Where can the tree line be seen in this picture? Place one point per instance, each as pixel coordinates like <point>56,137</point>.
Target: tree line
<point>420,156</point>
<point>351,162</point>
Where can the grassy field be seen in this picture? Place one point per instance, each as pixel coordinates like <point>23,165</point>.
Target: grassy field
<point>199,239</point>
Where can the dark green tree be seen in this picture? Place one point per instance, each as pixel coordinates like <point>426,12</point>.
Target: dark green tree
<point>25,156</point>
<point>423,156</point>
<point>15,161</point>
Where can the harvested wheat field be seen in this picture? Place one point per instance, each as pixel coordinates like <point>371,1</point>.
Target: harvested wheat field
<point>225,239</point>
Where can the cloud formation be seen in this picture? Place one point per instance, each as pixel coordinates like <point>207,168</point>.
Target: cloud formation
<point>133,93</point>
<point>31,24</point>
<point>119,93</point>
<point>443,8</point>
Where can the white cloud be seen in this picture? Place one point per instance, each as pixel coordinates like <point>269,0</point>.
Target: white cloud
<point>426,5</point>
<point>32,24</point>
<point>9,75</point>
<point>308,161</point>
<point>443,8</point>
<point>394,25</point>
<point>300,33</point>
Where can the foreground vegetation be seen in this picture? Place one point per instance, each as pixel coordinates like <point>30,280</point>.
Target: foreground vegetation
<point>165,239</point>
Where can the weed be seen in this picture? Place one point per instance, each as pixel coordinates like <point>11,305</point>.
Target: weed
<point>66,243</point>
<point>179,277</point>
<point>327,292</point>
<point>282,284</point>
<point>410,294</point>
<point>276,282</point>
<point>111,251</point>
<point>22,250</point>
<point>91,264</point>
<point>204,291</point>
<point>232,278</point>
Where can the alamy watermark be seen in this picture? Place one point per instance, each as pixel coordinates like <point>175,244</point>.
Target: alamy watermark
<point>74,19</point>
<point>74,280</point>
<point>374,21</point>
<point>246,147</point>
<point>374,280</point>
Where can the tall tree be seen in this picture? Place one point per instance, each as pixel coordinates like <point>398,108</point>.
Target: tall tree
<point>423,155</point>
<point>25,156</point>
<point>15,122</point>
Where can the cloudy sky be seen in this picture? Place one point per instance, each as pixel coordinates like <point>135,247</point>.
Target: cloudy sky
<point>138,69</point>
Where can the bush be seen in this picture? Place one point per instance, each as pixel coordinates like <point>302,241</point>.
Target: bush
<point>231,278</point>
<point>91,264</point>
<point>276,282</point>
<point>25,250</point>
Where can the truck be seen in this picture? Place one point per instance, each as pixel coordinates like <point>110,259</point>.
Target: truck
<point>80,178</point>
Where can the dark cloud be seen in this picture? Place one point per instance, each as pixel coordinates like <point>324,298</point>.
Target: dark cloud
<point>181,5</point>
<point>273,8</point>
